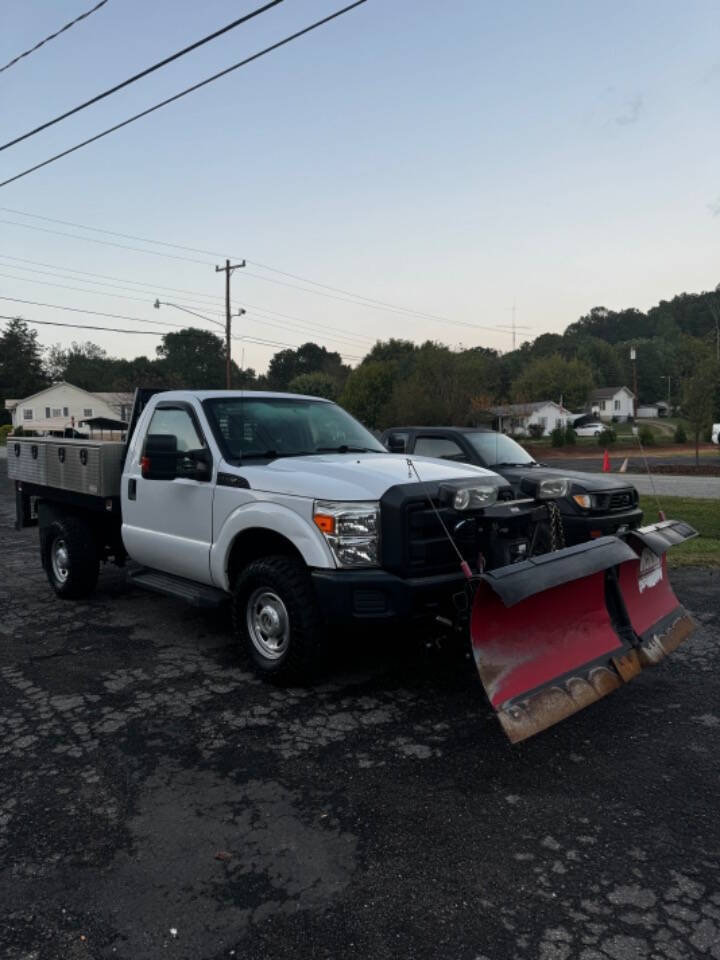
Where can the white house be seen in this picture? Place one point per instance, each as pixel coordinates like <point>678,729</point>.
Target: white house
<point>63,406</point>
<point>609,402</point>
<point>517,418</point>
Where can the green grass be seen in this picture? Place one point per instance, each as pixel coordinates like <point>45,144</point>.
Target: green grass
<point>704,515</point>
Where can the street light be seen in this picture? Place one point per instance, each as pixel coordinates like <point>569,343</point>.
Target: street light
<point>163,303</point>
<point>669,380</point>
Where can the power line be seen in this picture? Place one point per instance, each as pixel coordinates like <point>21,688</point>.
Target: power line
<point>315,327</point>
<point>53,35</point>
<point>403,311</point>
<point>366,301</point>
<point>138,76</point>
<point>299,327</point>
<point>105,243</point>
<point>184,93</point>
<point>84,326</point>
<point>96,313</point>
<point>151,333</point>
<point>88,273</point>
<point>153,288</point>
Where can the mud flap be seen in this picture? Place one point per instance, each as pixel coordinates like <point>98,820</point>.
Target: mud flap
<point>557,632</point>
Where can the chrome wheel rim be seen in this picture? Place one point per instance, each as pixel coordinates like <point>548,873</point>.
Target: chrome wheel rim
<point>268,623</point>
<point>60,560</point>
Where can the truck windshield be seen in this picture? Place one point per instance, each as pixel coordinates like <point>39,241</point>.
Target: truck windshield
<point>269,427</point>
<point>496,449</point>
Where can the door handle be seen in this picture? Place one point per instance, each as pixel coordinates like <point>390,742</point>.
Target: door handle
<point>132,489</point>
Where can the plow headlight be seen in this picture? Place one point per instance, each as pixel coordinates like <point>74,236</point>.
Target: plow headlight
<point>552,487</point>
<point>351,529</point>
<point>475,498</point>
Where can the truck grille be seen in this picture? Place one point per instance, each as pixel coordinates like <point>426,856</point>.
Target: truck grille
<point>414,543</point>
<point>622,500</point>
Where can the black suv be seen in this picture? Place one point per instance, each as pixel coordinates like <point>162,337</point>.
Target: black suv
<point>595,505</point>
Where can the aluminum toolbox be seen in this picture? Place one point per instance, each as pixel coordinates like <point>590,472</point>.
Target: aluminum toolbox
<point>83,466</point>
<point>27,459</point>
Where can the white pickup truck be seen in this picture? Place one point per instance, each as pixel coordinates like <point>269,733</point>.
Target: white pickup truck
<point>283,504</point>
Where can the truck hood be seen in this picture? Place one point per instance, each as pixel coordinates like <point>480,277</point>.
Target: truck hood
<point>349,476</point>
<point>581,482</point>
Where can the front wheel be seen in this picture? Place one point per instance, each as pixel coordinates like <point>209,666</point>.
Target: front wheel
<point>70,557</point>
<point>276,617</point>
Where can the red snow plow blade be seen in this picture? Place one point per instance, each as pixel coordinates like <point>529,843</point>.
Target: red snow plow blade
<point>555,633</point>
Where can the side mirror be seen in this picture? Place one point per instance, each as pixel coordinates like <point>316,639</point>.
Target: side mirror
<point>396,443</point>
<point>196,464</point>
<point>160,458</point>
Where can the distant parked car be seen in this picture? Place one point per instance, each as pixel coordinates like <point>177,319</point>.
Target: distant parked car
<point>594,505</point>
<point>590,429</point>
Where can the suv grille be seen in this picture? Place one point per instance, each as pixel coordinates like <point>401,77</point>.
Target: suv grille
<point>621,500</point>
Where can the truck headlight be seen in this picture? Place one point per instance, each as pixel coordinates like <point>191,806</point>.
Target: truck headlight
<point>474,498</point>
<point>552,487</point>
<point>352,531</point>
<point>584,500</point>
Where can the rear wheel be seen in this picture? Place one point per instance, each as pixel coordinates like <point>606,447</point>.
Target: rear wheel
<point>276,618</point>
<point>70,557</point>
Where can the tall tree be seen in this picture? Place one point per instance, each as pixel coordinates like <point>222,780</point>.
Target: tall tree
<point>84,365</point>
<point>21,367</point>
<point>308,358</point>
<point>315,384</point>
<point>367,394</point>
<point>554,378</point>
<point>193,359</point>
<point>699,400</point>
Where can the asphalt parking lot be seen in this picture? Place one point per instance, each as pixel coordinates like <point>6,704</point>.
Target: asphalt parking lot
<point>157,800</point>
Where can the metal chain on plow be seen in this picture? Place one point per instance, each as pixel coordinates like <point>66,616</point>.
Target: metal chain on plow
<point>557,531</point>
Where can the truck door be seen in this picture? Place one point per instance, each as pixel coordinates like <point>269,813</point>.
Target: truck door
<point>166,499</point>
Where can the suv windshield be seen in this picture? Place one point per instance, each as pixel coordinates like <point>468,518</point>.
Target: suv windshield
<point>268,427</point>
<point>496,448</point>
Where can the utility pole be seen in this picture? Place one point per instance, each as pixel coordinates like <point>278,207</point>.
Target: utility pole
<point>633,358</point>
<point>227,270</point>
<point>514,327</point>
<point>716,317</point>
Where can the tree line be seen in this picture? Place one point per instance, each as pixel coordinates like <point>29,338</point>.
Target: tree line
<point>677,344</point>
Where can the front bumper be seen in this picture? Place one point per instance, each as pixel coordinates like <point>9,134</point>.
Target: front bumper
<point>362,595</point>
<point>578,529</point>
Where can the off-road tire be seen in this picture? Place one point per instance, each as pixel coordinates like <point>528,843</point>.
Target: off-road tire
<point>290,581</point>
<point>83,563</point>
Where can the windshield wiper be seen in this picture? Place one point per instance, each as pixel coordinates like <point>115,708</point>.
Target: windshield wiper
<point>504,463</point>
<point>344,448</point>
<point>274,454</point>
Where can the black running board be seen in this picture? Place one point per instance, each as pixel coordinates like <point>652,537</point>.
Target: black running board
<point>196,594</point>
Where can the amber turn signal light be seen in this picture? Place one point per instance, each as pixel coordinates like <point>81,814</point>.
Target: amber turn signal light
<point>324,522</point>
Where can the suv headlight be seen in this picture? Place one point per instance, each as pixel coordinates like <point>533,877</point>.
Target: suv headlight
<point>352,530</point>
<point>549,488</point>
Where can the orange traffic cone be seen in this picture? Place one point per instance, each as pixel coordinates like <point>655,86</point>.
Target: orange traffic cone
<point>606,463</point>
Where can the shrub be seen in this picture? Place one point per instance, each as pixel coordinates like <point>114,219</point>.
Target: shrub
<point>570,436</point>
<point>606,437</point>
<point>536,430</point>
<point>557,437</point>
<point>680,435</point>
<point>5,429</point>
<point>647,437</point>
<point>615,418</point>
